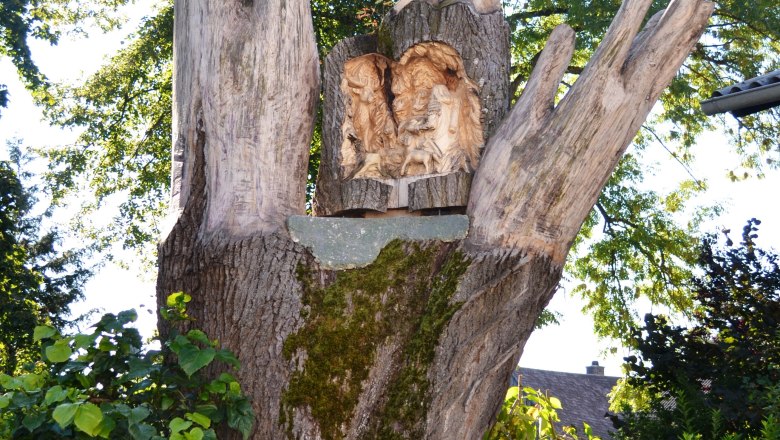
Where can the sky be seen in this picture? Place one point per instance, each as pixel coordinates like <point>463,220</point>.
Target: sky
<point>570,346</point>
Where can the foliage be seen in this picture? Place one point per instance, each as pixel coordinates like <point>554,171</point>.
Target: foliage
<point>532,415</point>
<point>741,41</point>
<point>105,384</point>
<point>125,109</point>
<point>38,281</point>
<point>727,364</point>
<point>641,250</point>
<point>21,20</point>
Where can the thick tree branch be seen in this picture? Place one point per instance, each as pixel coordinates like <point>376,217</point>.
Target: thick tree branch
<point>544,168</point>
<point>227,54</point>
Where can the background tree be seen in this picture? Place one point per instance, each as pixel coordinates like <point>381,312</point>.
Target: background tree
<point>727,362</point>
<point>38,281</point>
<point>642,251</point>
<point>21,20</point>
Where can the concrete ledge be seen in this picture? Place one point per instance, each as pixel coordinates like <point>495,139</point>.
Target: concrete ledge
<point>346,243</point>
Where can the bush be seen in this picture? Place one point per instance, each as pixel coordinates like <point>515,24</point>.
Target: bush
<point>106,384</point>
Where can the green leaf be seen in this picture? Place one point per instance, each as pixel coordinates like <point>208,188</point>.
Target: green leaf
<point>209,410</point>
<point>241,417</point>
<point>127,316</point>
<point>31,381</point>
<point>177,298</point>
<point>43,332</point>
<point>166,403</point>
<point>34,420</point>
<point>178,424</point>
<point>59,352</point>
<point>24,400</point>
<point>198,336</point>
<point>5,399</point>
<point>194,434</point>
<point>106,426</point>
<point>83,341</point>
<point>555,402</point>
<point>200,419</point>
<point>192,359</point>
<point>512,393</point>
<point>9,382</point>
<point>141,431</point>
<point>55,394</point>
<point>138,414</point>
<point>64,413</point>
<point>87,418</point>
<point>228,357</point>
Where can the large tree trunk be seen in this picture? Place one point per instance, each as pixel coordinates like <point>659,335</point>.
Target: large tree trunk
<point>420,343</point>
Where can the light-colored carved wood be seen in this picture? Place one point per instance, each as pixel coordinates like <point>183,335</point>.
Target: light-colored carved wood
<point>420,115</point>
<point>480,39</point>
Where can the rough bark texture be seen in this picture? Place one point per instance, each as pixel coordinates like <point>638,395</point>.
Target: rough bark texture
<point>362,194</point>
<point>419,344</point>
<point>446,191</point>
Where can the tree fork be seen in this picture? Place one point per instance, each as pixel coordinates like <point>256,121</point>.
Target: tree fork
<point>243,114</point>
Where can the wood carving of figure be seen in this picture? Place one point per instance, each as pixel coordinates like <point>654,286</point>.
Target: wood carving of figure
<point>372,128</point>
<point>433,127</point>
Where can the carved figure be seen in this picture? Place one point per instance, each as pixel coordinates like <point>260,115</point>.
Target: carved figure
<point>434,124</point>
<point>369,127</point>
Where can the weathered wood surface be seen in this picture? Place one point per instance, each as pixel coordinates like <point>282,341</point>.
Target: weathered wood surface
<point>546,165</point>
<point>244,92</point>
<point>365,194</point>
<point>450,190</point>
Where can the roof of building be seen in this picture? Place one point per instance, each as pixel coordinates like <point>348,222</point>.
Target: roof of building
<point>749,96</point>
<point>583,396</point>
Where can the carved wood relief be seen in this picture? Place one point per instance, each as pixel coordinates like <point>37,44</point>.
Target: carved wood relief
<point>417,116</point>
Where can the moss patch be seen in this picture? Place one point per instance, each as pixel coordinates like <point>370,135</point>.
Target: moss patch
<point>405,293</point>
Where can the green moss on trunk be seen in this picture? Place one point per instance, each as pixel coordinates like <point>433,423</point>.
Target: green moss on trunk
<point>404,294</point>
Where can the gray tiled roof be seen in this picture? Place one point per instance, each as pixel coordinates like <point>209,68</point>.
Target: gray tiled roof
<point>749,96</point>
<point>583,396</point>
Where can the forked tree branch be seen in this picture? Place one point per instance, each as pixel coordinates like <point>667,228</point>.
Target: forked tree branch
<point>545,166</point>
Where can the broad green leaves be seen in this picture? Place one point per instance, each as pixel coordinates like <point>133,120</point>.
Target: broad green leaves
<point>42,332</point>
<point>64,413</point>
<point>106,384</point>
<point>87,418</point>
<point>59,352</point>
<point>529,414</point>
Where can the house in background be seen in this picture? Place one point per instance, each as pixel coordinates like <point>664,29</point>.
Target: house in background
<point>745,98</point>
<point>583,396</point>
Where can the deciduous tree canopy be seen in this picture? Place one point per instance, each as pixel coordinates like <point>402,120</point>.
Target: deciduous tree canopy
<point>38,281</point>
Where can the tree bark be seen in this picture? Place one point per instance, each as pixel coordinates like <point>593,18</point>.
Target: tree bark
<point>420,343</point>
